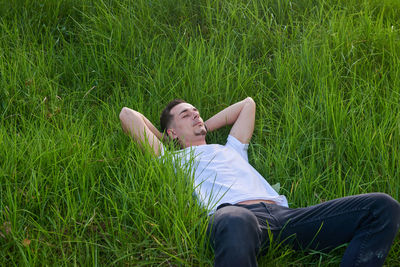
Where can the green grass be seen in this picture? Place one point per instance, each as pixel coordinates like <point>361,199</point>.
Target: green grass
<point>75,190</point>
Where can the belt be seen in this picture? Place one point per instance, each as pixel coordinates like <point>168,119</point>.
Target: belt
<point>256,201</point>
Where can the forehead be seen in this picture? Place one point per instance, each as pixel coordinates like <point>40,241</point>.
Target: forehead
<point>180,108</point>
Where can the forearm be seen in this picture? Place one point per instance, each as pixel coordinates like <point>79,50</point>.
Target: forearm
<point>140,129</point>
<point>134,122</point>
<point>151,127</point>
<point>229,115</point>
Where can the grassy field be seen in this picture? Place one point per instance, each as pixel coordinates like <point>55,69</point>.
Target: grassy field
<point>74,190</point>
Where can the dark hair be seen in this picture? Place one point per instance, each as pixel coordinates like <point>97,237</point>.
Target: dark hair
<point>166,117</point>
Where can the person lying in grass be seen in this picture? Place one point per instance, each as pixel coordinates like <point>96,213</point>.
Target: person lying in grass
<point>244,210</point>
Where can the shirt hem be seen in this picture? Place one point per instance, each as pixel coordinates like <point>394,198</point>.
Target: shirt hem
<point>279,200</point>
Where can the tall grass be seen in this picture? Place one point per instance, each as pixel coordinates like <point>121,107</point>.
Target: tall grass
<point>75,190</point>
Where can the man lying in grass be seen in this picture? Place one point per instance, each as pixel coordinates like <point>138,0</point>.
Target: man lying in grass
<point>245,209</point>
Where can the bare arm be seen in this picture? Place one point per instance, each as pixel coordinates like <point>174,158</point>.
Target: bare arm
<point>140,129</point>
<point>241,115</point>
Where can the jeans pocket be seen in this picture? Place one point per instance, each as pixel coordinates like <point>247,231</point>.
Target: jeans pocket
<point>266,219</point>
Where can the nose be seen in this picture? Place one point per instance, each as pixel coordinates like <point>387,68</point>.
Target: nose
<point>195,115</point>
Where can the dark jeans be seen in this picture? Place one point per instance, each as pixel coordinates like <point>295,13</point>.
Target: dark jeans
<point>368,222</point>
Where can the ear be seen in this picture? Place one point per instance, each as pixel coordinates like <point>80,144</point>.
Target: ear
<point>171,133</point>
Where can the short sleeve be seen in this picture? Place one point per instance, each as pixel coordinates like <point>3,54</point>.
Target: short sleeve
<point>238,146</point>
<point>162,152</point>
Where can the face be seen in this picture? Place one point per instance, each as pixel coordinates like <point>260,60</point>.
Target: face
<point>187,125</point>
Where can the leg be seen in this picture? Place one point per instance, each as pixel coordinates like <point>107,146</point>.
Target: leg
<point>367,222</point>
<point>235,235</point>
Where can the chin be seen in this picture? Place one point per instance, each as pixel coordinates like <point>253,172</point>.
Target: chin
<point>202,132</point>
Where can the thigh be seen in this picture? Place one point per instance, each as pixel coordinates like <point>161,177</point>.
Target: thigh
<point>246,225</point>
<point>238,217</point>
<point>326,225</point>
<point>230,218</point>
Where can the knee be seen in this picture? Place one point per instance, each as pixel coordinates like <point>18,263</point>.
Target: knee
<point>235,222</point>
<point>385,205</point>
<point>238,218</point>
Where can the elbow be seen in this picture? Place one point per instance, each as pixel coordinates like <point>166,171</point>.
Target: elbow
<point>249,101</point>
<point>123,113</point>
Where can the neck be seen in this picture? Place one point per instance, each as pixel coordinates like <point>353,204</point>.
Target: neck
<point>196,142</point>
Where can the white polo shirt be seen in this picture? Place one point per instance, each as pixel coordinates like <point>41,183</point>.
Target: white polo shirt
<point>222,174</point>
